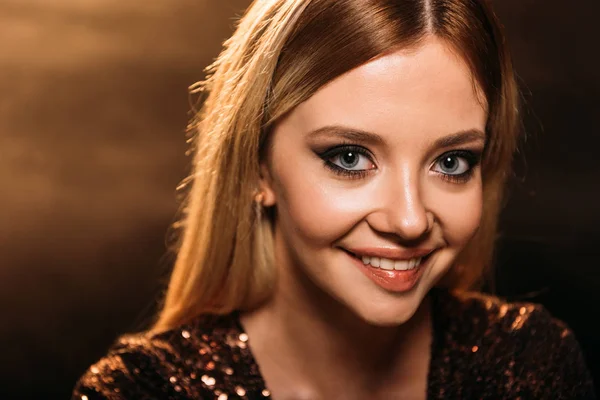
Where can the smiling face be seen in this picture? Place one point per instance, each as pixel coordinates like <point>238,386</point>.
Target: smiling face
<point>379,169</point>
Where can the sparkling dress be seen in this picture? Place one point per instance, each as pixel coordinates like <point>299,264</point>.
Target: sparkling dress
<point>482,348</point>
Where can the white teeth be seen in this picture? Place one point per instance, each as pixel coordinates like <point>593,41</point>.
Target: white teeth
<point>386,264</point>
<point>402,265</point>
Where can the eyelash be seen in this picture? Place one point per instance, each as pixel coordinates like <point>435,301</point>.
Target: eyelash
<point>337,150</point>
<point>472,158</point>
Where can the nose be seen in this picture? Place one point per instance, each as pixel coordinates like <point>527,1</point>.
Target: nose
<point>401,210</point>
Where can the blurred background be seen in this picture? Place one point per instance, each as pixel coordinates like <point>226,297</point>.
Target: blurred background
<point>93,109</point>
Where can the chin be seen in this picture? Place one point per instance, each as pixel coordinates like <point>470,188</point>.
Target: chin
<point>393,312</point>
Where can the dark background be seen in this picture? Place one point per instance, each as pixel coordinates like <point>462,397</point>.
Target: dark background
<point>93,107</point>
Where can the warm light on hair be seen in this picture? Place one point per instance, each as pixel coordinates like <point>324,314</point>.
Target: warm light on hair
<point>282,52</point>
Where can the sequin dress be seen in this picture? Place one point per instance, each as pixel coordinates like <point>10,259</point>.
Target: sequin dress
<point>482,348</point>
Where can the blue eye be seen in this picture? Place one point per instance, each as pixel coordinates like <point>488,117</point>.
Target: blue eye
<point>348,160</point>
<point>453,165</point>
<point>457,166</point>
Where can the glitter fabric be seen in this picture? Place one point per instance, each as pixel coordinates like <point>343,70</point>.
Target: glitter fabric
<point>482,348</point>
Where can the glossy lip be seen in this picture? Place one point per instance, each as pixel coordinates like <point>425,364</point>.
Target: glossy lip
<point>389,253</point>
<point>394,280</point>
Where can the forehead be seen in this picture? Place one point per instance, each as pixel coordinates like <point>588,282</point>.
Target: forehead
<point>428,90</point>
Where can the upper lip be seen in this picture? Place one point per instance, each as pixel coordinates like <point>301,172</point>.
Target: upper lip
<point>389,253</point>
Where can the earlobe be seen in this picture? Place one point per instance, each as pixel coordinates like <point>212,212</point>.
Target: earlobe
<point>266,196</point>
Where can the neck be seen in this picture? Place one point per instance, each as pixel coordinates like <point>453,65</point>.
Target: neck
<point>317,340</point>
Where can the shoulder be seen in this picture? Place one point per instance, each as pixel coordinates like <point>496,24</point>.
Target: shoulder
<point>518,346</point>
<point>196,360</point>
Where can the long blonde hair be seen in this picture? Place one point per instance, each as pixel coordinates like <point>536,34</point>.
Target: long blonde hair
<point>280,54</point>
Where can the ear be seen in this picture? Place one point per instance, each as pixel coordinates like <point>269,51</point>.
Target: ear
<point>266,186</point>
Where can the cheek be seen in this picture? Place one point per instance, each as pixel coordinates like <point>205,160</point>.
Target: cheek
<point>459,214</point>
<point>312,207</point>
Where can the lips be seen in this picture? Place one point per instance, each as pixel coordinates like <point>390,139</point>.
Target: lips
<point>389,253</point>
<point>394,275</point>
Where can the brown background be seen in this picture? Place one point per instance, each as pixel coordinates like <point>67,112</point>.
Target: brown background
<point>93,106</point>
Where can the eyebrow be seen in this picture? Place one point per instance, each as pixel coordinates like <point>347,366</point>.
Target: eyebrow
<point>357,135</point>
<point>462,137</point>
<point>351,134</point>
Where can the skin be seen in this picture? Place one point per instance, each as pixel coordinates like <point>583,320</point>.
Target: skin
<point>329,331</point>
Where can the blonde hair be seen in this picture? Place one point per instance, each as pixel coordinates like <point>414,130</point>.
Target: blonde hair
<point>282,52</point>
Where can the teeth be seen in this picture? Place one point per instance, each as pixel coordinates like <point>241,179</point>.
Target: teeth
<point>403,265</point>
<point>387,264</point>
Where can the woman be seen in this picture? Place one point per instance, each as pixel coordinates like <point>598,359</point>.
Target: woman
<point>349,169</point>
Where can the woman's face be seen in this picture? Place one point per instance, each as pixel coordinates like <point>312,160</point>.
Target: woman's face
<point>377,182</point>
